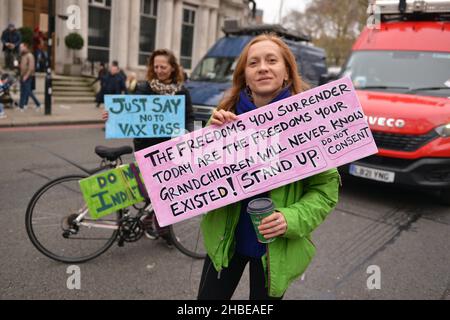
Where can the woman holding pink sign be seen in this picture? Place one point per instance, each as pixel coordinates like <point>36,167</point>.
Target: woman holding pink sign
<point>271,231</point>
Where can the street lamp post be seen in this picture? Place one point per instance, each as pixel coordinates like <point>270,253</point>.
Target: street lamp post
<point>48,78</point>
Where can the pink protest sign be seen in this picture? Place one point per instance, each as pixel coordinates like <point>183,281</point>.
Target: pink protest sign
<point>264,149</point>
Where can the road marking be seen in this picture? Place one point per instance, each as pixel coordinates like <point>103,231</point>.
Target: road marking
<point>50,128</point>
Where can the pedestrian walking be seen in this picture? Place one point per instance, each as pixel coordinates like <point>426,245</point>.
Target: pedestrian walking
<point>101,77</point>
<point>27,72</point>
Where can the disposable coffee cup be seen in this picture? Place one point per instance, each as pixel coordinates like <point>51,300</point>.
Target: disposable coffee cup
<point>258,210</point>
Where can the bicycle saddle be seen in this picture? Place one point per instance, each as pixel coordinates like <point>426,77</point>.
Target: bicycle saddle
<point>112,154</point>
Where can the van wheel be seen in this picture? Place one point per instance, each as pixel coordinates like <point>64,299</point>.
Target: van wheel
<point>444,197</point>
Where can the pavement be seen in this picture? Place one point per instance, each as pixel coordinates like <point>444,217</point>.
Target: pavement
<point>61,113</point>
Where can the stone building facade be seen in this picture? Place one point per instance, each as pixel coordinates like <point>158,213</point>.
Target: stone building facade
<point>129,30</point>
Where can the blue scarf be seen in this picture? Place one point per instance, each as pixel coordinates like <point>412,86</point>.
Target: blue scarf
<point>245,104</point>
<point>245,236</point>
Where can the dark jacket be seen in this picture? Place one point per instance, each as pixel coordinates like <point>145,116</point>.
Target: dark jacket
<point>11,37</point>
<point>102,73</point>
<point>143,88</point>
<point>110,84</point>
<point>114,84</point>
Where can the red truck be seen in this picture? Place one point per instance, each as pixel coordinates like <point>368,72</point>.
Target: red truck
<point>401,70</point>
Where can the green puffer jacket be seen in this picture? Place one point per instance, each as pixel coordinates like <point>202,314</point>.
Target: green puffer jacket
<point>304,204</point>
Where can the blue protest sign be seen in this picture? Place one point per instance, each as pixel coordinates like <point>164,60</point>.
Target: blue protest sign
<point>139,116</point>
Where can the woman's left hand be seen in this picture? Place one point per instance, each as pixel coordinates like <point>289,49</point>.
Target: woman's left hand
<point>273,226</point>
<point>105,115</point>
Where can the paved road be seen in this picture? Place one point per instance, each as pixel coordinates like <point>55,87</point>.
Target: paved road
<point>405,233</point>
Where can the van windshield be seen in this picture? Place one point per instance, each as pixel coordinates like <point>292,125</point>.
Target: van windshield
<point>414,72</point>
<point>219,69</point>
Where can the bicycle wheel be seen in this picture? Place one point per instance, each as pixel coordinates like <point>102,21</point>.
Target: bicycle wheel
<point>187,237</point>
<point>51,214</point>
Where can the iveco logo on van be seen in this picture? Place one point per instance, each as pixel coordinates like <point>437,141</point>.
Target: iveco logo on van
<point>386,122</point>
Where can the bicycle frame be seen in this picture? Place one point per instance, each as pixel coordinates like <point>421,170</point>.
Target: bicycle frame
<point>106,224</point>
<point>101,225</point>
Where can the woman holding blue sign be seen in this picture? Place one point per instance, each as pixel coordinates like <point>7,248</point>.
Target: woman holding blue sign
<point>164,77</point>
<point>271,231</point>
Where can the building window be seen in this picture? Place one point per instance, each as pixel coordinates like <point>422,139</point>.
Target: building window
<point>187,37</point>
<point>99,28</point>
<point>149,11</point>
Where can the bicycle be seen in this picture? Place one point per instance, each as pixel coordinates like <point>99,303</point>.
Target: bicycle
<point>58,224</point>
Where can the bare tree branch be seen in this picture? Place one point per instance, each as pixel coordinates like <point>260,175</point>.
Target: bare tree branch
<point>334,25</point>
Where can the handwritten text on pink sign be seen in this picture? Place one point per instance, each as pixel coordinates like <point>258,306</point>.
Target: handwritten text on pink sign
<point>264,149</point>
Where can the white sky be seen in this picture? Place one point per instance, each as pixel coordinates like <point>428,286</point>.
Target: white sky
<point>272,8</point>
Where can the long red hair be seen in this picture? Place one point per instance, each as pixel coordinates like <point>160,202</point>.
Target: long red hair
<point>231,98</point>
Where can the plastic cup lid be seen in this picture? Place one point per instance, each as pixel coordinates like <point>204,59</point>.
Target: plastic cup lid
<point>260,205</point>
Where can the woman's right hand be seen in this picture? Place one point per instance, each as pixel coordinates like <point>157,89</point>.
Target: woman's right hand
<point>105,115</point>
<point>221,117</point>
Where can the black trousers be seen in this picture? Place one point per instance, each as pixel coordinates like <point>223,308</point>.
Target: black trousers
<point>213,287</point>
